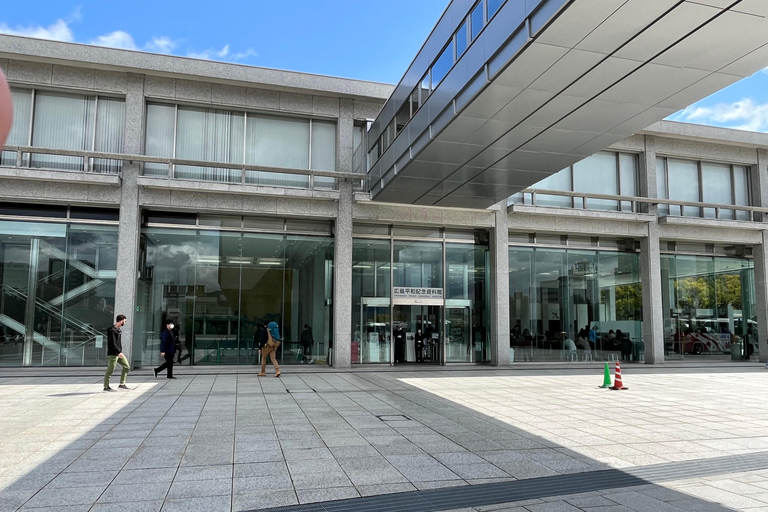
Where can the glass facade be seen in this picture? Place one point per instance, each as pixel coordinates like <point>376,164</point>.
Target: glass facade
<point>219,285</point>
<point>558,295</point>
<point>58,292</point>
<point>371,300</point>
<point>450,326</point>
<point>709,307</point>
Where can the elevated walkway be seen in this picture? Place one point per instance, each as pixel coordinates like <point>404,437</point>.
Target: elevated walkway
<point>548,83</point>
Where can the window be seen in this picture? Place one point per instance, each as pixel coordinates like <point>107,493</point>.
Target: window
<point>402,117</point>
<point>706,182</point>
<point>442,65</point>
<point>597,174</point>
<point>493,6</point>
<point>461,40</point>
<point>233,137</point>
<point>67,121</point>
<point>477,20</point>
<point>606,173</point>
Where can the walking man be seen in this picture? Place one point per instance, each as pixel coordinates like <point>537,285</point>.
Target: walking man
<point>268,349</point>
<point>115,354</point>
<point>167,349</point>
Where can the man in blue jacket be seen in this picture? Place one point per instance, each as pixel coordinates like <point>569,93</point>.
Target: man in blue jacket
<point>167,349</point>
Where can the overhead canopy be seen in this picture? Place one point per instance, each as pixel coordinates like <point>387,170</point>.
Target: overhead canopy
<point>558,83</point>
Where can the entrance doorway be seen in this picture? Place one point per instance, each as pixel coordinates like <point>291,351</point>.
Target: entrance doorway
<point>459,342</point>
<point>422,341</point>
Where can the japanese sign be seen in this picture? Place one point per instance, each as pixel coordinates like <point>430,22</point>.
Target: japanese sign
<point>400,292</point>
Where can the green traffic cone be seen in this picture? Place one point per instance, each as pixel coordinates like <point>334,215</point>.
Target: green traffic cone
<point>607,377</point>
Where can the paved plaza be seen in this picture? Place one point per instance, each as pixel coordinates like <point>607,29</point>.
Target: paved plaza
<point>691,439</point>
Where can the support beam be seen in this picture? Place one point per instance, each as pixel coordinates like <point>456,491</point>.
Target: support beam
<point>760,253</point>
<point>653,312</point>
<point>342,279</point>
<point>130,225</point>
<point>500,288</point>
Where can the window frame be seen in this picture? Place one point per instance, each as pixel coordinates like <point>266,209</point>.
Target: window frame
<point>700,165</point>
<point>246,112</point>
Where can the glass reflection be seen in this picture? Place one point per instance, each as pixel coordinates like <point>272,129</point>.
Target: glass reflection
<point>219,286</point>
<point>58,293</point>
<point>709,307</point>
<point>466,298</point>
<point>570,305</point>
<point>371,289</point>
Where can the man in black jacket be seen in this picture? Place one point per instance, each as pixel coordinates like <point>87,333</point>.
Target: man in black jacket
<point>167,349</point>
<point>115,353</point>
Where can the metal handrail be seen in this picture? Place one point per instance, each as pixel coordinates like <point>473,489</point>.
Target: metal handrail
<point>635,200</point>
<point>87,156</point>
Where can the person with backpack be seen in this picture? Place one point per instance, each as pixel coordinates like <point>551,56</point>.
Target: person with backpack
<point>269,347</point>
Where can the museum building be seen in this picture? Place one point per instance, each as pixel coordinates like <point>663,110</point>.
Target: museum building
<point>224,196</point>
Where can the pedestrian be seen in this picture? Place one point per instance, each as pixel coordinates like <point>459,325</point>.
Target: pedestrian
<point>399,336</point>
<point>307,340</point>
<point>167,349</point>
<point>115,354</point>
<point>269,347</point>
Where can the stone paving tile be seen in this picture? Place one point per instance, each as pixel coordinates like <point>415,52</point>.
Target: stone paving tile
<point>327,494</point>
<point>132,492</point>
<point>260,500</point>
<point>200,488</point>
<point>207,504</point>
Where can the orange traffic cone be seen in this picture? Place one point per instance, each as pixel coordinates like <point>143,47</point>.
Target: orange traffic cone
<point>617,384</point>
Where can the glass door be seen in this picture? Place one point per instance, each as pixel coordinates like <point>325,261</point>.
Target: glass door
<point>459,340</point>
<point>374,340</point>
<point>417,334</point>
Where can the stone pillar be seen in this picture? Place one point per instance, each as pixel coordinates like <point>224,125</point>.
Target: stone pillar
<point>342,279</point>
<point>345,135</point>
<point>647,174</point>
<point>760,253</point>
<point>653,312</point>
<point>130,221</point>
<point>499,334</point>
<point>759,181</point>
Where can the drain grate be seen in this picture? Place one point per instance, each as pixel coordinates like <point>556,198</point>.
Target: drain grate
<point>298,391</point>
<point>393,417</point>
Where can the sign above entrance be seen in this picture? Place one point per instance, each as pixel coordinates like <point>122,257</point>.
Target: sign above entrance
<point>406,295</point>
<point>417,293</point>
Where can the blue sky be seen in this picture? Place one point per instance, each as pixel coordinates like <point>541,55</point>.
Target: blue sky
<point>366,39</point>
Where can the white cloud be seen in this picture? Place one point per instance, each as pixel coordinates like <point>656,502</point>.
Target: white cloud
<point>60,30</point>
<point>741,115</point>
<point>250,52</point>
<point>116,39</point>
<point>57,31</point>
<point>161,44</point>
<point>209,54</point>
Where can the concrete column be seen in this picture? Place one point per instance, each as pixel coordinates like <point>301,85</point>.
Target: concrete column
<point>130,221</point>
<point>342,279</point>
<point>759,181</point>
<point>647,174</point>
<point>499,334</point>
<point>760,253</point>
<point>345,135</point>
<point>653,311</point>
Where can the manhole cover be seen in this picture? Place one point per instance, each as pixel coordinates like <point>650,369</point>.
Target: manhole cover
<point>393,417</point>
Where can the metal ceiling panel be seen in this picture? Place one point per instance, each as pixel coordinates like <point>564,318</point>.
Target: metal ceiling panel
<point>568,81</point>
